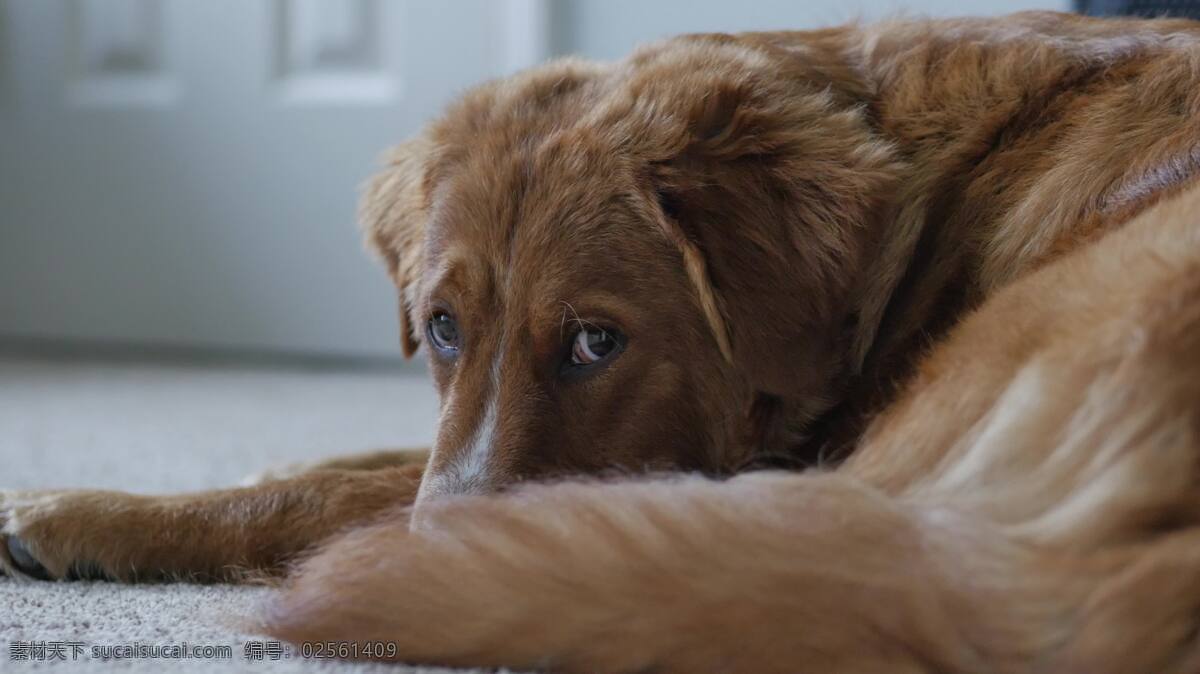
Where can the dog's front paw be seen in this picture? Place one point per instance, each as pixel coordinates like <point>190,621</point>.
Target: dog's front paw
<point>58,535</point>
<point>16,559</point>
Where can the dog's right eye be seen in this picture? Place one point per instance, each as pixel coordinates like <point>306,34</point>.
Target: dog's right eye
<point>443,332</point>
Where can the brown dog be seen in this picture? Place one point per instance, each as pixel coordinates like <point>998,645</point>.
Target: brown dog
<point>968,252</point>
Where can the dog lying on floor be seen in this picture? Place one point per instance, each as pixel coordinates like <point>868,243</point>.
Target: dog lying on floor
<point>954,264</point>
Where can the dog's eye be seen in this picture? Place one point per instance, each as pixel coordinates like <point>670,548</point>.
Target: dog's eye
<point>443,331</point>
<point>592,345</point>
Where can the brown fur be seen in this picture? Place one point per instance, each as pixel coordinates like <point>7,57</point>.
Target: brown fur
<point>1045,523</point>
<point>219,535</point>
<point>967,250</point>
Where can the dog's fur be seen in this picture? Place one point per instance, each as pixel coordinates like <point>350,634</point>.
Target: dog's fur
<point>964,254</point>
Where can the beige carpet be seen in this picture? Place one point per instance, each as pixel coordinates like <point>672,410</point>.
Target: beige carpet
<point>163,428</point>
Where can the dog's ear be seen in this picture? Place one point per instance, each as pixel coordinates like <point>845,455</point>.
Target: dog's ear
<point>769,186</point>
<point>392,212</point>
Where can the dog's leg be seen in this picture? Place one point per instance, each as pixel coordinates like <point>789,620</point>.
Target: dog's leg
<point>215,535</point>
<point>383,458</point>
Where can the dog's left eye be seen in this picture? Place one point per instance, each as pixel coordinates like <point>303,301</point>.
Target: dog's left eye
<point>443,332</point>
<point>592,345</point>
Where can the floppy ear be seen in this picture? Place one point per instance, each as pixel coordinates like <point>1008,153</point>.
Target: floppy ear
<point>392,212</point>
<point>770,188</point>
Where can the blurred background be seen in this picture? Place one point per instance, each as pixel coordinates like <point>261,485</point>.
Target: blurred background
<point>181,175</point>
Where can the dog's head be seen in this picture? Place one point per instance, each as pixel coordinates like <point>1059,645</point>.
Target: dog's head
<point>638,266</point>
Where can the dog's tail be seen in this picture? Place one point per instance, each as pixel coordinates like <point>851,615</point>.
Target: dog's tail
<point>766,572</point>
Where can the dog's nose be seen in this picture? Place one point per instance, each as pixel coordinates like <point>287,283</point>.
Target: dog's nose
<point>436,485</point>
<point>456,486</point>
<point>435,490</point>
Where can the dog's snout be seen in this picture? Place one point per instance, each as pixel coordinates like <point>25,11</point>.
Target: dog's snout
<point>443,485</point>
<point>470,468</point>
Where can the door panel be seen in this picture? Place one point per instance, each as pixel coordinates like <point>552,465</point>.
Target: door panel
<point>186,172</point>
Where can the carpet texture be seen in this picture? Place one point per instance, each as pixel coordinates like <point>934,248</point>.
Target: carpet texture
<point>155,428</point>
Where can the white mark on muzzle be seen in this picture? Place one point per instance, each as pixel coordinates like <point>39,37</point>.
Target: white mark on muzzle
<point>470,470</point>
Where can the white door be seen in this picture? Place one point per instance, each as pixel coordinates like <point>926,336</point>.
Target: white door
<point>185,172</point>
